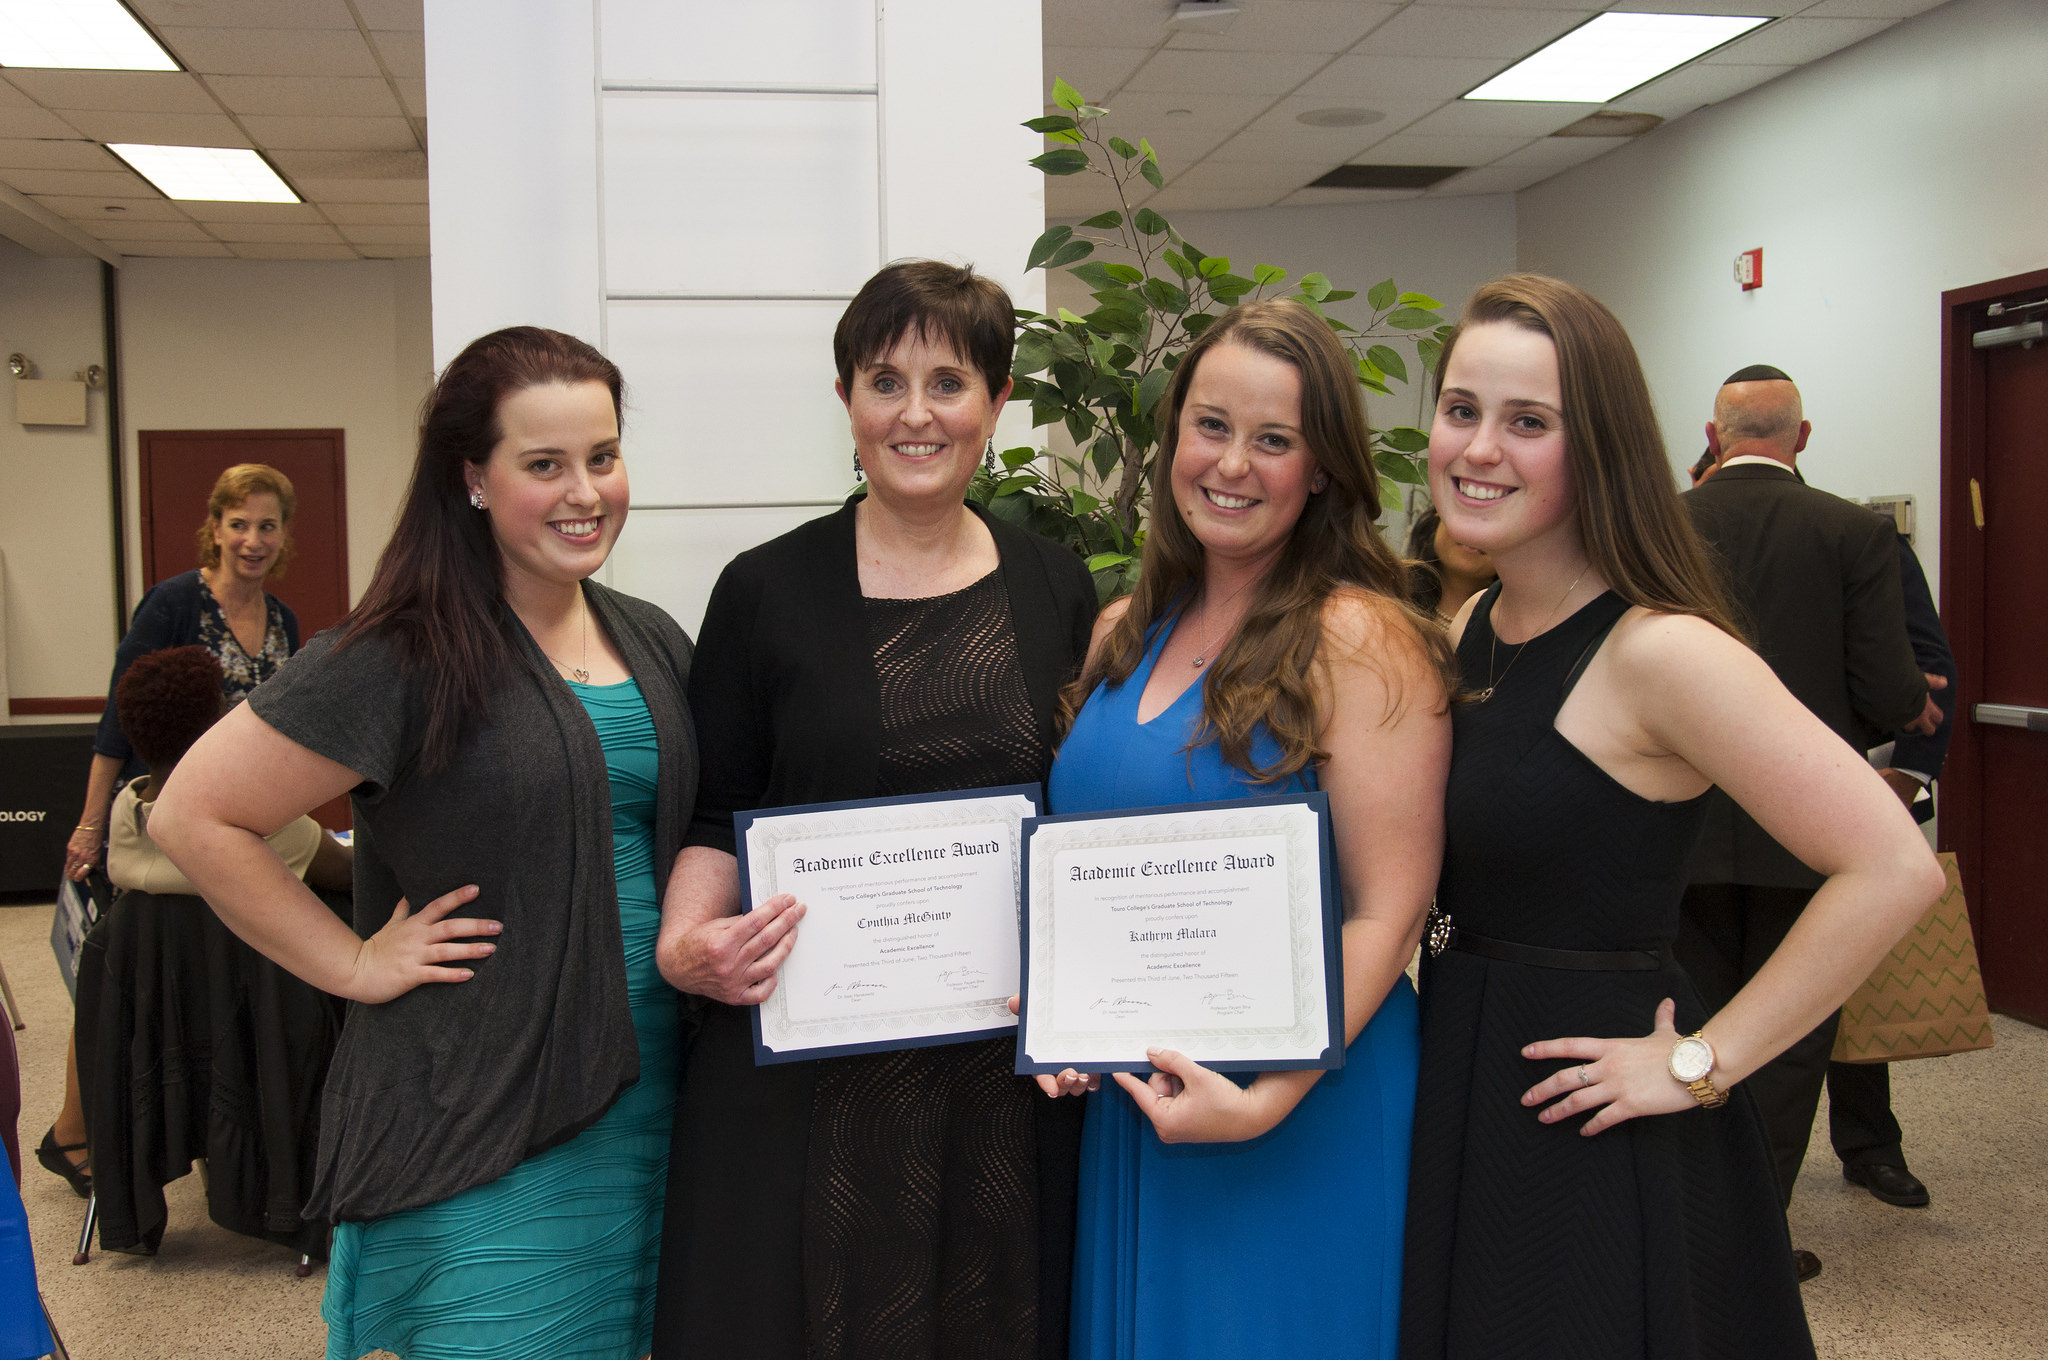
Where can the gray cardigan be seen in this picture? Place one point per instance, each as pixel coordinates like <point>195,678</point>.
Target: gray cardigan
<point>451,1086</point>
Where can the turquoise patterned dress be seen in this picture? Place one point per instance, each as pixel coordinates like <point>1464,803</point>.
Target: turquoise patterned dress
<point>555,1260</point>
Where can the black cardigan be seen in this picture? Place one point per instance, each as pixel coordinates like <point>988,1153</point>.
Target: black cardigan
<point>451,1086</point>
<point>784,692</point>
<point>167,617</point>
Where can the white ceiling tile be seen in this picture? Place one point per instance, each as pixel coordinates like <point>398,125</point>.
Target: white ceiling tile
<point>413,92</point>
<point>381,14</point>
<point>1106,23</point>
<point>35,123</point>
<point>128,228</point>
<point>246,13</point>
<point>254,212</point>
<point>1095,71</point>
<point>82,183</point>
<point>1408,148</point>
<point>80,209</point>
<point>405,54</point>
<point>1490,180</point>
<point>278,250</point>
<point>398,214</point>
<point>1085,195</point>
<point>272,51</point>
<point>1253,147</point>
<point>386,234</point>
<point>171,249</point>
<point>345,96</point>
<point>1273,180</point>
<point>295,232</point>
<point>331,134</point>
<point>1868,9</point>
<point>1372,82</point>
<point>157,129</point>
<point>355,165</point>
<point>1694,86</point>
<point>1561,153</point>
<point>1499,118</point>
<point>1322,26</point>
<point>1171,200</point>
<point>48,153</point>
<point>11,98</point>
<point>1304,198</point>
<point>130,91</point>
<point>1795,41</point>
<point>1510,34</point>
<point>1267,73</point>
<point>363,190</point>
<point>1132,115</point>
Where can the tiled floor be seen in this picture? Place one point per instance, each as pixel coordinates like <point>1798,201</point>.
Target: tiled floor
<point>1961,1280</point>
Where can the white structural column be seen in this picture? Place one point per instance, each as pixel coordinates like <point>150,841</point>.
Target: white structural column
<point>715,183</point>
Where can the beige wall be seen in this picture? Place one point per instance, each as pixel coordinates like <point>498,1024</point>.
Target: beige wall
<point>205,344</point>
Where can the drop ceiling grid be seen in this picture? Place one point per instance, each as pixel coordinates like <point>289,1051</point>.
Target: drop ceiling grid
<point>1410,62</point>
<point>331,91</point>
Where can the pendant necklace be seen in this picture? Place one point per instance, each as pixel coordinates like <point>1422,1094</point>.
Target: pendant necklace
<point>1493,647</point>
<point>1202,657</point>
<point>581,674</point>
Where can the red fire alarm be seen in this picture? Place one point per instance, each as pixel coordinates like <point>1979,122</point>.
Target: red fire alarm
<point>1749,269</point>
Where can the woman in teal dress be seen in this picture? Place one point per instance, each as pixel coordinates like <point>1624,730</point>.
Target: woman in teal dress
<point>1269,649</point>
<point>513,736</point>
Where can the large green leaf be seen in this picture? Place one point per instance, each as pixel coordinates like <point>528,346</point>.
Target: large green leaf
<point>1422,300</point>
<point>1316,287</point>
<point>1070,252</point>
<point>1123,148</point>
<point>1095,274</point>
<point>1079,425</point>
<point>1150,170</point>
<point>1429,351</point>
<point>1405,438</point>
<point>1046,406</point>
<point>1195,323</point>
<point>1064,161</point>
<point>1104,561</point>
<point>1412,319</point>
<point>1340,295</point>
<point>1065,95</point>
<point>1124,316</point>
<point>1052,122</point>
<point>1214,266</point>
<point>1178,263</point>
<point>1400,467</point>
<point>1165,296</point>
<point>1083,502</point>
<point>1151,387</point>
<point>1149,222</point>
<point>1229,287</point>
<point>1034,352</point>
<point>1125,273</point>
<point>1106,221</point>
<point>1010,484</point>
<point>1045,245</point>
<point>1105,453</point>
<point>1016,458</point>
<point>1388,361</point>
<point>1381,295</point>
<point>1265,275</point>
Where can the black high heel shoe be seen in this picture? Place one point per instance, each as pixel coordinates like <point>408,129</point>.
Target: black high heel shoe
<point>51,1155</point>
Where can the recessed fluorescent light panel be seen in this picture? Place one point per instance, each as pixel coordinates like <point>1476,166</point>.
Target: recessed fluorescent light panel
<point>213,173</point>
<point>89,35</point>
<point>1614,53</point>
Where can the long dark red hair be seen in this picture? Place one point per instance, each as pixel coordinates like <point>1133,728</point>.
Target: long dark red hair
<point>438,593</point>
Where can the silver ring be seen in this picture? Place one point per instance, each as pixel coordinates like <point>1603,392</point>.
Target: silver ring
<point>1584,1080</point>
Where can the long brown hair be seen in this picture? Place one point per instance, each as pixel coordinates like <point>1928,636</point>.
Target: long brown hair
<point>438,590</point>
<point>234,487</point>
<point>1637,535</point>
<point>1264,676</point>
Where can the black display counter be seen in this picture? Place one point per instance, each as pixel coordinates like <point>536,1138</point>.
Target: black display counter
<point>43,770</point>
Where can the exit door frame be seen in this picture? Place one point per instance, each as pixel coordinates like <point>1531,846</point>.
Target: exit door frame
<point>1963,582</point>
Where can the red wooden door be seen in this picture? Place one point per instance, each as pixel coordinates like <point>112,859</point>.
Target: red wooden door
<point>1995,563</point>
<point>178,469</point>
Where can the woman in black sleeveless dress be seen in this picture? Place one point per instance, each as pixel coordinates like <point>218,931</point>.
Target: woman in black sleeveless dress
<point>1606,692</point>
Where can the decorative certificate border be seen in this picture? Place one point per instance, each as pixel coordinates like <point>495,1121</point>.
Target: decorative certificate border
<point>777,1038</point>
<point>1315,1039</point>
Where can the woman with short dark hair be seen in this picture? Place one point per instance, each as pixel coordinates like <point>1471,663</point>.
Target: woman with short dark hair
<point>513,737</point>
<point>919,1203</point>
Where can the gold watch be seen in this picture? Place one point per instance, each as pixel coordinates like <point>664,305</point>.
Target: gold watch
<point>1692,1066</point>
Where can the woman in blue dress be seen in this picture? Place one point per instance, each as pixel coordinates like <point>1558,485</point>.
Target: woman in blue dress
<point>521,762</point>
<point>1269,649</point>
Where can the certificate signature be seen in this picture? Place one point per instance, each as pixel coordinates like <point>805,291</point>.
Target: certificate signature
<point>1118,1006</point>
<point>962,979</point>
<point>1229,1001</point>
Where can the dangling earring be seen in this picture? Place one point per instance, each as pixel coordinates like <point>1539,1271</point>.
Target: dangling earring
<point>988,456</point>
<point>476,498</point>
<point>860,474</point>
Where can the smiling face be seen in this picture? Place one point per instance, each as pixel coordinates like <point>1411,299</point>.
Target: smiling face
<point>921,416</point>
<point>1242,470</point>
<point>555,483</point>
<point>250,535</point>
<point>1497,468</point>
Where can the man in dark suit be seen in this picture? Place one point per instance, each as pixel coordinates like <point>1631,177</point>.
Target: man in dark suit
<point>1817,580</point>
<point>1861,1125</point>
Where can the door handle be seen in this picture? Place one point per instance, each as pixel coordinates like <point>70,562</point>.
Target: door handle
<point>2012,715</point>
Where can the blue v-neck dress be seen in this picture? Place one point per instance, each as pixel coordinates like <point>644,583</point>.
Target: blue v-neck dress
<point>1289,1244</point>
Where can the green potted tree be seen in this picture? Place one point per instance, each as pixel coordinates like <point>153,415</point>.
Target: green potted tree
<point>1100,376</point>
